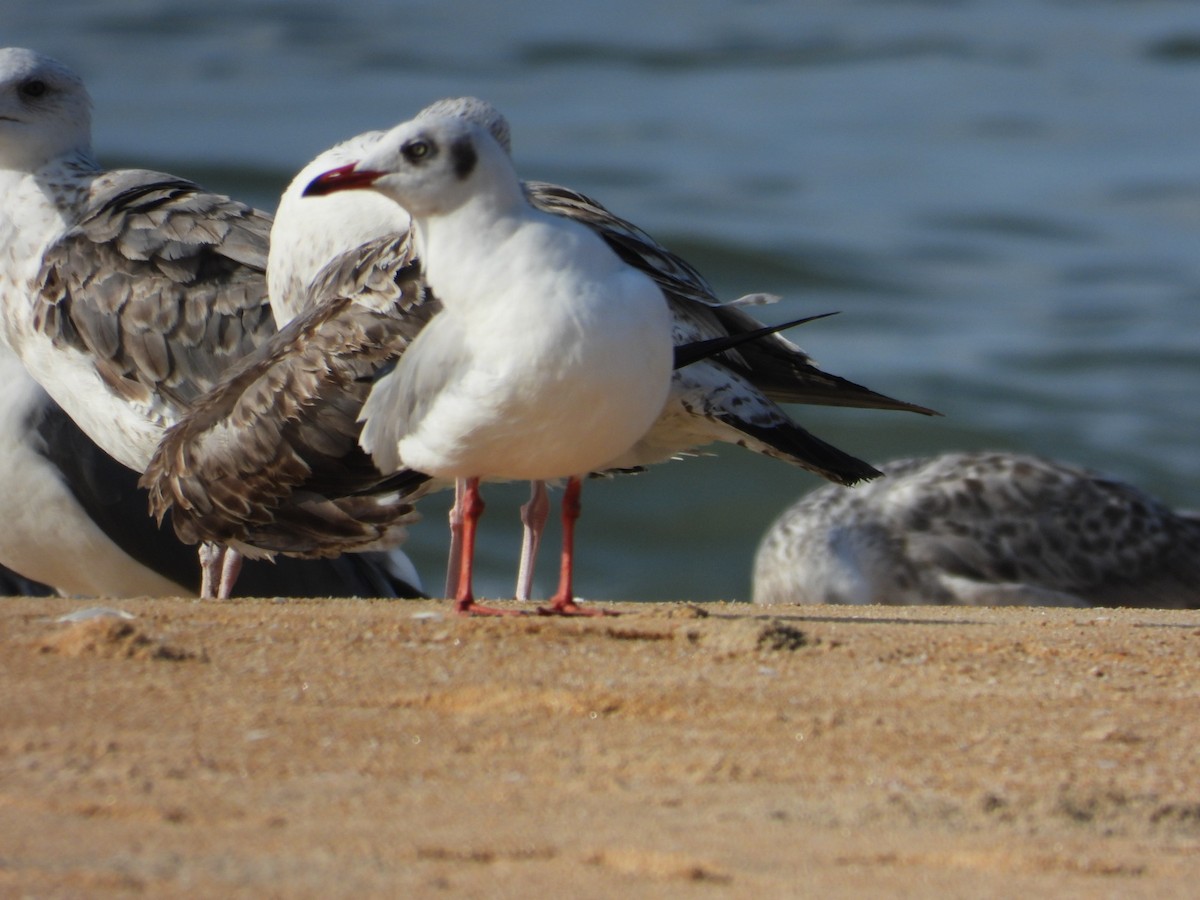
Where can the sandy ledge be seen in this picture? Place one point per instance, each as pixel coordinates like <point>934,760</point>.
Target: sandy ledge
<point>369,748</point>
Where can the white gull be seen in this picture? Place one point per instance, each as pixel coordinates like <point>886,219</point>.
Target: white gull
<point>550,358</point>
<point>344,315</point>
<point>982,529</point>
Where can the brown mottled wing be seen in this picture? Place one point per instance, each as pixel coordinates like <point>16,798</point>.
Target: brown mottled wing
<point>270,457</point>
<point>774,365</point>
<point>382,273</point>
<point>161,283</point>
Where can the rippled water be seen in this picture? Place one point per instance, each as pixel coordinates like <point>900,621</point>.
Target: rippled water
<point>1002,198</point>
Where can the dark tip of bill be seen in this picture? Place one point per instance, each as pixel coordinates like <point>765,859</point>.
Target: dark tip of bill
<point>339,179</point>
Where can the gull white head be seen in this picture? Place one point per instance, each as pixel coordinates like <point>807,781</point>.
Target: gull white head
<point>431,166</point>
<point>320,228</point>
<point>309,232</point>
<point>45,111</point>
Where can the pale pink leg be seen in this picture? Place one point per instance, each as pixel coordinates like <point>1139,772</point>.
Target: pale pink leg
<point>211,557</point>
<point>219,570</point>
<point>454,562</point>
<point>533,517</point>
<point>231,567</point>
<point>563,602</point>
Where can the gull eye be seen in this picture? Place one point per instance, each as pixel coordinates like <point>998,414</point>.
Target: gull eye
<point>33,88</point>
<point>416,150</point>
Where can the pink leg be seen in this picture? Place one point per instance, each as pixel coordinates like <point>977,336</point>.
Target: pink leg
<point>454,562</point>
<point>563,602</point>
<point>464,598</point>
<point>211,556</point>
<point>533,517</point>
<point>231,568</point>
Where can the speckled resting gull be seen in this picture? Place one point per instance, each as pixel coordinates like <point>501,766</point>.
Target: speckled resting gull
<point>982,529</point>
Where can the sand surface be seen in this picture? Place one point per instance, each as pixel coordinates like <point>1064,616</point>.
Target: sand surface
<point>264,748</point>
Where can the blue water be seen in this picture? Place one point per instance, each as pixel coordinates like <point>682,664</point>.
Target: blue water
<point>1002,198</point>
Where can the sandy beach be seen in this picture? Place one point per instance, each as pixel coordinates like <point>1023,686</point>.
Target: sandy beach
<point>367,748</point>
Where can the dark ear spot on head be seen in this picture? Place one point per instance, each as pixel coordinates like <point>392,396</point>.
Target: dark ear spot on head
<point>462,153</point>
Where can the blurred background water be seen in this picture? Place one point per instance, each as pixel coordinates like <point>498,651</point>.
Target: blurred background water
<point>1002,198</point>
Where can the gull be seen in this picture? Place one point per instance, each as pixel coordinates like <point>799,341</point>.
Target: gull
<point>983,528</point>
<point>340,246</point>
<point>125,293</point>
<point>280,427</point>
<point>550,356</point>
<point>347,291</point>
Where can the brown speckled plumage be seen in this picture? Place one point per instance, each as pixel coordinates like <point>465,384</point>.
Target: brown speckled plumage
<point>270,458</point>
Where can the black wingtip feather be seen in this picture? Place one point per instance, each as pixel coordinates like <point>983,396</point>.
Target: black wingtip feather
<point>804,449</point>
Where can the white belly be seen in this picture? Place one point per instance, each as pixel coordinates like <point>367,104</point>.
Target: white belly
<point>549,400</point>
<point>47,536</point>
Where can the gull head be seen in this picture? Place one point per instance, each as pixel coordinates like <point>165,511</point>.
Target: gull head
<point>431,165</point>
<point>45,111</point>
<point>310,232</point>
<point>468,109</point>
<point>320,228</point>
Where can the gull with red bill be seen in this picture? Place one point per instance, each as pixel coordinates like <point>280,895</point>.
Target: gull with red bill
<point>551,357</point>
